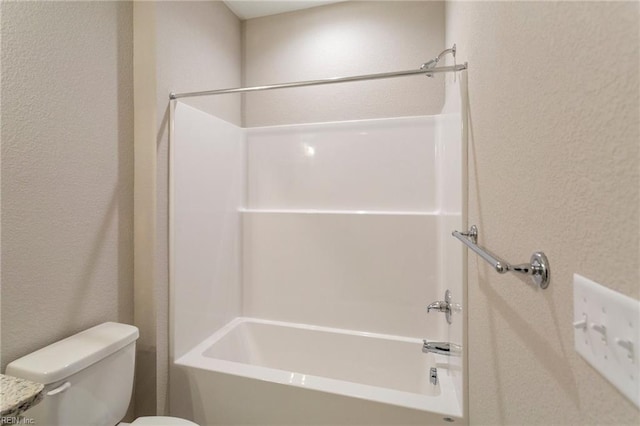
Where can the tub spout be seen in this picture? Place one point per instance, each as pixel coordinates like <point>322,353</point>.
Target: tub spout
<point>441,348</point>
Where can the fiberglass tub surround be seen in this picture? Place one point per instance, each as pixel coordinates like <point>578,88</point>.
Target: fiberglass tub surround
<point>304,257</point>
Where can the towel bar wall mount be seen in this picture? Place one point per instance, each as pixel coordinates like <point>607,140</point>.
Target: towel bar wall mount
<point>537,268</point>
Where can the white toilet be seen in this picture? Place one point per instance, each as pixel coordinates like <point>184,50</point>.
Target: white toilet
<point>88,379</point>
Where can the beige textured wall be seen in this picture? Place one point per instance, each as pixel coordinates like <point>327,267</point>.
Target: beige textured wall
<point>553,166</point>
<point>197,47</point>
<point>144,194</point>
<point>67,170</point>
<point>343,39</point>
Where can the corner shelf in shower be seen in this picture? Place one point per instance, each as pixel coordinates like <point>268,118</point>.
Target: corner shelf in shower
<point>344,212</point>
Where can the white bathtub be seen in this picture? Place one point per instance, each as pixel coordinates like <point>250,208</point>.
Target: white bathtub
<point>268,372</point>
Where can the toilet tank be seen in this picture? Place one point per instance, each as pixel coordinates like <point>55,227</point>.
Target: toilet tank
<point>88,377</point>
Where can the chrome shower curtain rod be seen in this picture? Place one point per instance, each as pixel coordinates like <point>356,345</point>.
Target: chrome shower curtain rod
<point>428,68</point>
<point>319,82</point>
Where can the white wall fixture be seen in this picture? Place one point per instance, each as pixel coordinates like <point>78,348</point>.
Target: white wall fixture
<point>607,334</point>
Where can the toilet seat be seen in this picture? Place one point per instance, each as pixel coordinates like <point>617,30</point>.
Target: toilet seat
<point>161,421</point>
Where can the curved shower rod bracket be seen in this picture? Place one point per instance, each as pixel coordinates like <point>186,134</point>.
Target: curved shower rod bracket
<point>434,62</point>
<point>537,268</point>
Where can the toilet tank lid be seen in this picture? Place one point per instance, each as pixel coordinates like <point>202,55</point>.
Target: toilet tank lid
<point>68,356</point>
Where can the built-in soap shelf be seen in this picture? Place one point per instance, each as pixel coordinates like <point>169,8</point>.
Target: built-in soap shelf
<point>343,212</point>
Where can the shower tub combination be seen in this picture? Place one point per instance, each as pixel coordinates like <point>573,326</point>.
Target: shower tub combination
<point>302,261</point>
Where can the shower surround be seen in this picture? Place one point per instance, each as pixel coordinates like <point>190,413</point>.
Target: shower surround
<point>302,261</point>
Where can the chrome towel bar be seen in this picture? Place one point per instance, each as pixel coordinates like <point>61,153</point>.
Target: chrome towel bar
<point>538,268</point>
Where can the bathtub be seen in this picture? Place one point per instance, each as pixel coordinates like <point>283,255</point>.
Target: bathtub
<point>255,371</point>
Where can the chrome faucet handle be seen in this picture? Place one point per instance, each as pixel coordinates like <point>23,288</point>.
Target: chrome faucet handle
<point>443,306</point>
<point>440,306</point>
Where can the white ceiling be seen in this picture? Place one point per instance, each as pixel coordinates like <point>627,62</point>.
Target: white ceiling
<point>258,8</point>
